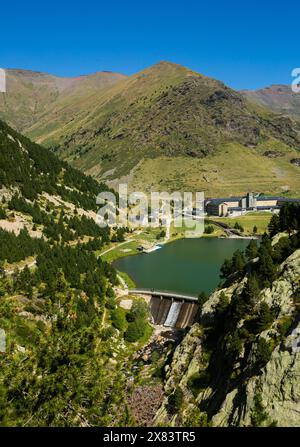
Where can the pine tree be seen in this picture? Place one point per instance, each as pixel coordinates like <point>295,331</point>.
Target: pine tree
<point>266,267</point>
<point>274,225</point>
<point>202,298</point>
<point>264,318</point>
<point>251,250</point>
<point>251,291</point>
<point>238,262</point>
<point>226,269</point>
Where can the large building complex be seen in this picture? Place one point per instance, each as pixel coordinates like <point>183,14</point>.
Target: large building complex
<point>235,206</point>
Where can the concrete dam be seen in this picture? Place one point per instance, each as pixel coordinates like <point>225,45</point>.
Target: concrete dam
<point>170,309</point>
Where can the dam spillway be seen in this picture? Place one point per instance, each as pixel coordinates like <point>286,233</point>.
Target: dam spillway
<point>172,313</point>
<point>170,309</point>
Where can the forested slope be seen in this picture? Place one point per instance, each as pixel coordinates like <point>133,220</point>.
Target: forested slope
<point>56,295</point>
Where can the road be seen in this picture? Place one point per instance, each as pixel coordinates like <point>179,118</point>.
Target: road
<point>231,232</point>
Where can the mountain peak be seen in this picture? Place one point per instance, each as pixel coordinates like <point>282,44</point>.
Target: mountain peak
<point>170,65</point>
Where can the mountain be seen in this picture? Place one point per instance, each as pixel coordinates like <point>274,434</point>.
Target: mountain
<point>279,98</point>
<point>239,365</point>
<point>170,128</point>
<point>31,95</point>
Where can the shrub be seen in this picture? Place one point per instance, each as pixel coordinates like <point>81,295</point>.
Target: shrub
<point>265,317</point>
<point>2,213</point>
<point>209,229</point>
<point>107,333</point>
<point>198,381</point>
<point>175,400</point>
<point>135,330</point>
<point>196,418</point>
<point>258,415</point>
<point>202,298</point>
<point>223,304</point>
<point>159,372</point>
<point>161,235</point>
<point>284,325</point>
<point>263,353</point>
<point>139,310</point>
<point>239,227</point>
<point>118,319</point>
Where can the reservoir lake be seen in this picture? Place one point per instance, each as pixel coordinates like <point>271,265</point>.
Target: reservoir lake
<point>186,266</point>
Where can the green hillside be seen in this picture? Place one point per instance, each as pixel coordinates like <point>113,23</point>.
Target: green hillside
<point>170,127</point>
<point>63,351</point>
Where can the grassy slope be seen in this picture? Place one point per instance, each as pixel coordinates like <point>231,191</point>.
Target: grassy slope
<point>232,170</point>
<point>260,220</point>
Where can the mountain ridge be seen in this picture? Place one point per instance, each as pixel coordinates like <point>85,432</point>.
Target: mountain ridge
<point>277,97</point>
<point>30,93</point>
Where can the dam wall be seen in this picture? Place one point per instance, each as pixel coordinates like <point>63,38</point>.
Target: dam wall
<point>172,312</point>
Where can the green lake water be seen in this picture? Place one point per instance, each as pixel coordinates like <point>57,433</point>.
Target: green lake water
<point>186,265</point>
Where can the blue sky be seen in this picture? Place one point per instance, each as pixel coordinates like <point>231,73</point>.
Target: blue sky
<point>247,44</point>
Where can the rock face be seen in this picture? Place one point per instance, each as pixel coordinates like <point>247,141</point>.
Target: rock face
<point>279,387</point>
<point>268,396</point>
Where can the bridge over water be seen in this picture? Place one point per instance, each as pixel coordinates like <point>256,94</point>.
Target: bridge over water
<point>164,293</point>
<point>170,308</point>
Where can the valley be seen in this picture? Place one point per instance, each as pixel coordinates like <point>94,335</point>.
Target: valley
<point>72,306</point>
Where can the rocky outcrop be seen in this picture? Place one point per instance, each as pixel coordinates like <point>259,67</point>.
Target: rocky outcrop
<point>279,387</point>
<point>268,396</point>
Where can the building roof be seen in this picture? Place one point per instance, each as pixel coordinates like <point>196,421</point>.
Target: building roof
<point>259,198</point>
<point>289,199</point>
<point>218,201</point>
